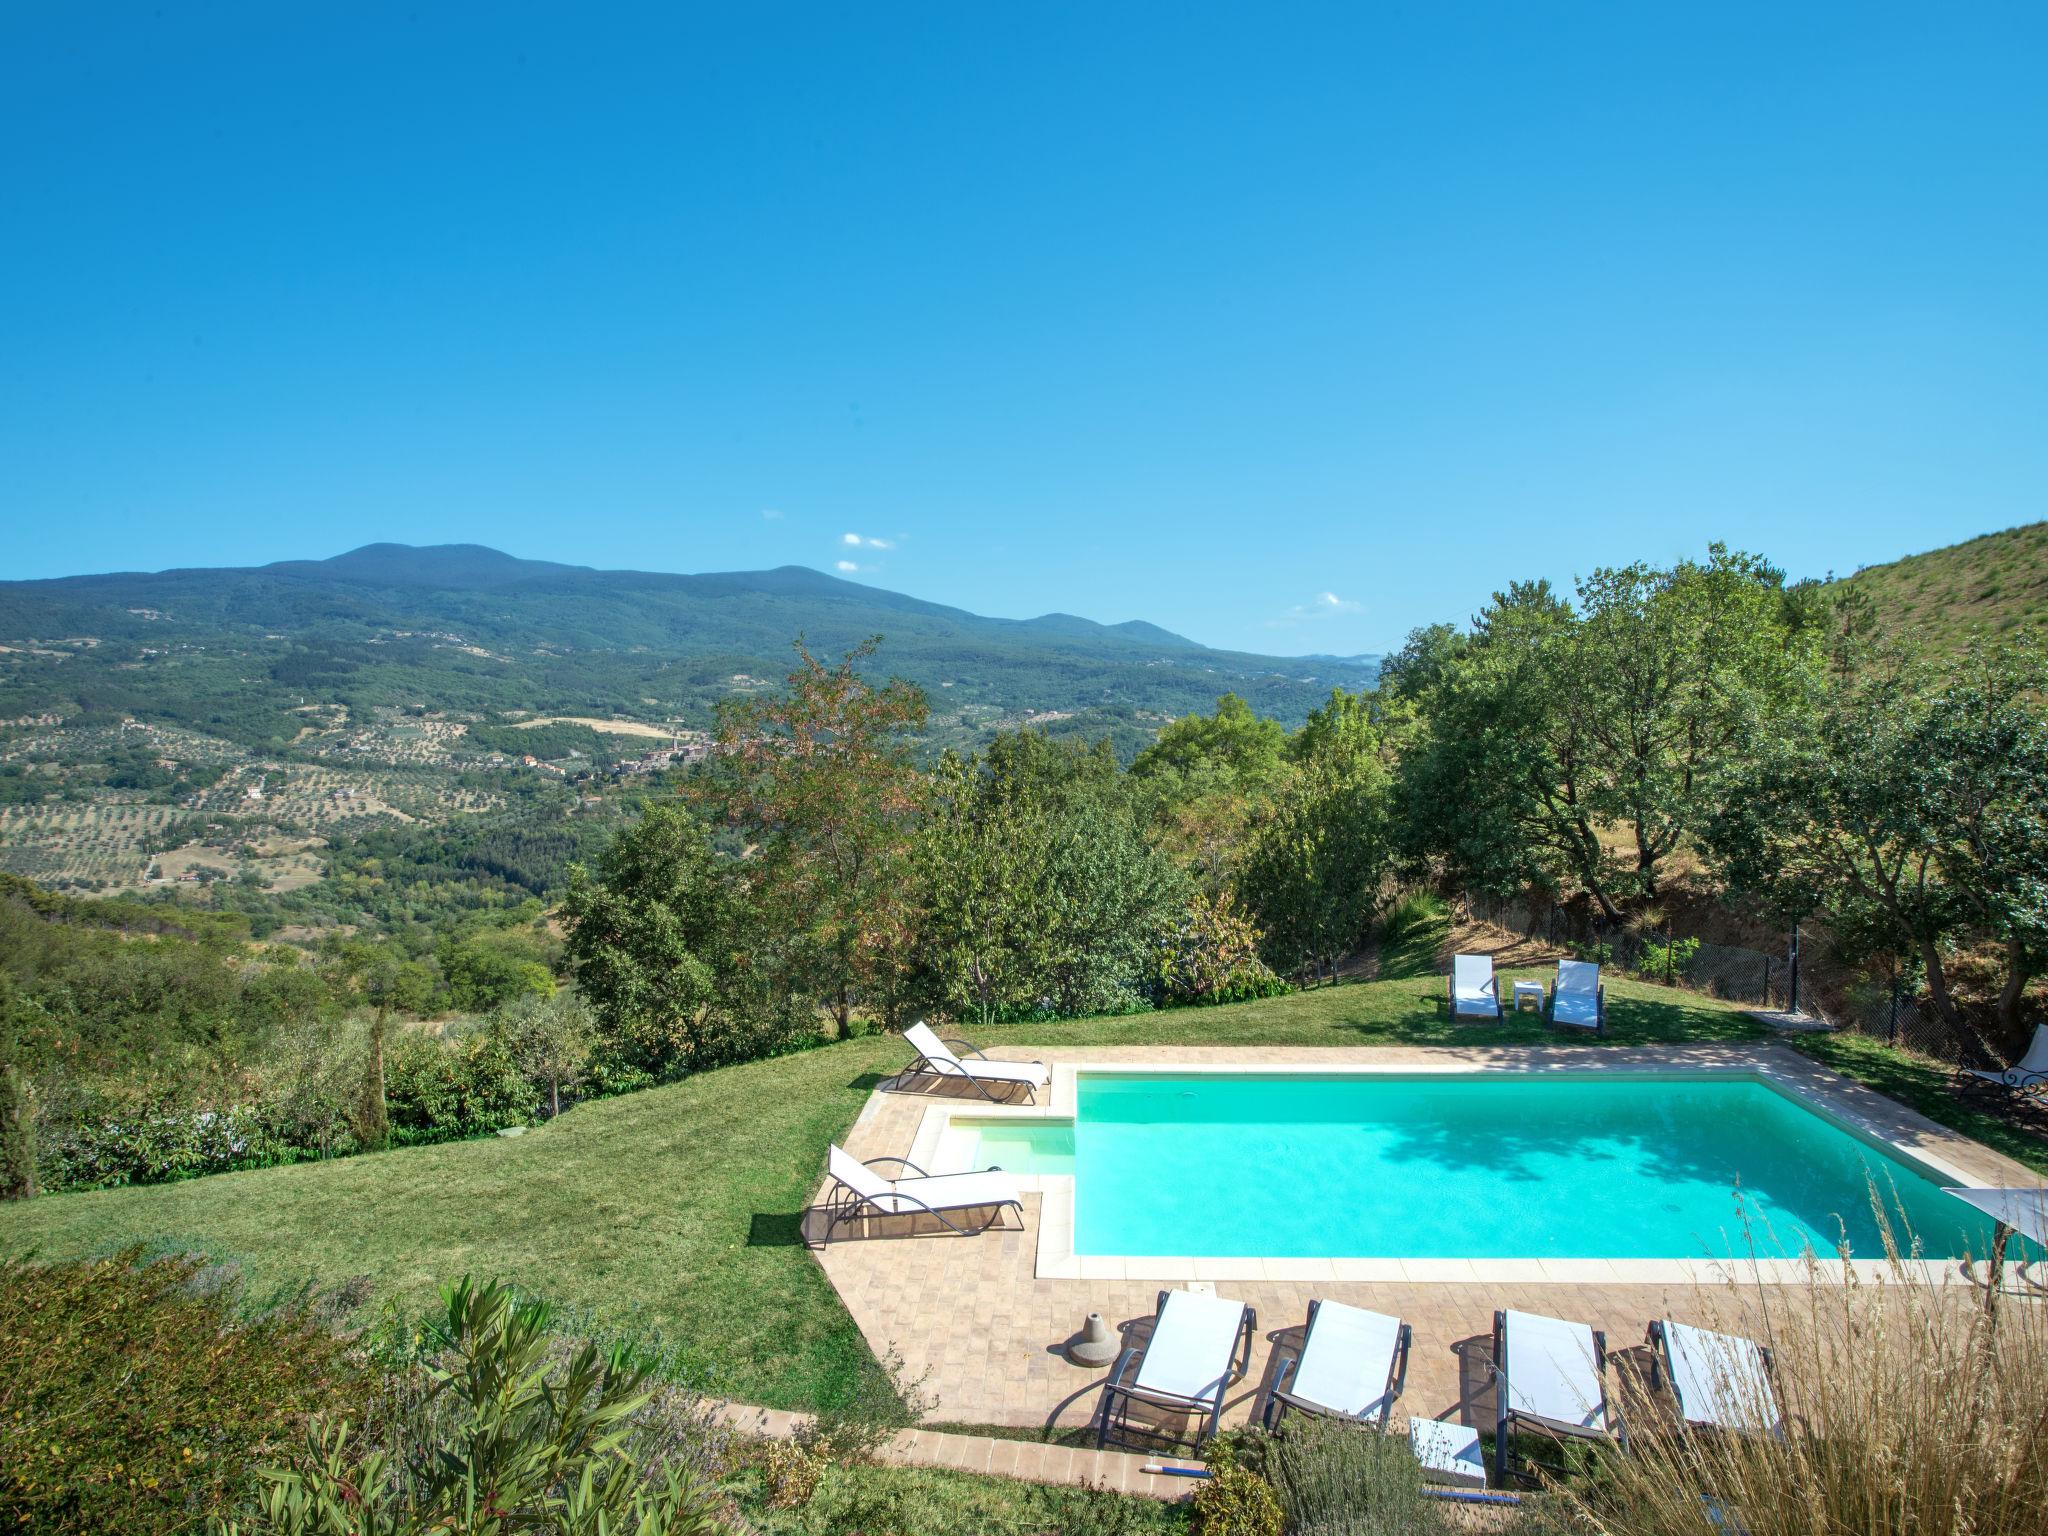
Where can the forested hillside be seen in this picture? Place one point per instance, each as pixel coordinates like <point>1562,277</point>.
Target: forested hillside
<point>240,654</point>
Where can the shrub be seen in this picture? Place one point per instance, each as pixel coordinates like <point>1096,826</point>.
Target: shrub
<point>1233,1500</point>
<point>132,1398</point>
<point>1212,956</point>
<point>543,1449</point>
<point>96,1137</point>
<point>790,1473</point>
<point>1336,1479</point>
<point>1666,961</point>
<point>469,1085</point>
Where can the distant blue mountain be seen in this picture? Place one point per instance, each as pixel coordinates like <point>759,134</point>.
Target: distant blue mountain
<point>373,626</point>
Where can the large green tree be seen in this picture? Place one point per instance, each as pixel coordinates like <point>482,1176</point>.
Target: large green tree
<point>647,931</point>
<point>1035,885</point>
<point>1912,810</point>
<point>1583,743</point>
<point>1315,868</point>
<point>819,780</point>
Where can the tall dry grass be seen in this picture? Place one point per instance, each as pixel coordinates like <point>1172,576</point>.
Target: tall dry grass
<point>1910,1412</point>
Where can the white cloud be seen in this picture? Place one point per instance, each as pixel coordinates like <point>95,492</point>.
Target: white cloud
<point>847,565</point>
<point>858,541</point>
<point>1323,605</point>
<point>771,514</point>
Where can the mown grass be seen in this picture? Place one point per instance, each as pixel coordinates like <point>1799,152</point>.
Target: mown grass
<point>672,1215</point>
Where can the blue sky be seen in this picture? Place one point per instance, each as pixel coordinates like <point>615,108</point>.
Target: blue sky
<point>1286,327</point>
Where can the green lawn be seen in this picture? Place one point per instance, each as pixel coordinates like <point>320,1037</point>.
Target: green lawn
<point>671,1214</point>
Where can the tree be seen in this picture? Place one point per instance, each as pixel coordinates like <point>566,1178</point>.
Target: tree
<point>1558,726</point>
<point>1984,745</point>
<point>17,1134</point>
<point>978,865</point>
<point>819,780</point>
<point>373,1119</point>
<point>1210,777</point>
<point>1235,741</point>
<point>552,1038</point>
<point>488,970</point>
<point>645,935</point>
<point>1914,814</point>
<point>1034,884</point>
<point>1313,876</point>
<point>17,1108</point>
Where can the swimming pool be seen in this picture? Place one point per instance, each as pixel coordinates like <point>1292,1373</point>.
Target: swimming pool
<point>1493,1165</point>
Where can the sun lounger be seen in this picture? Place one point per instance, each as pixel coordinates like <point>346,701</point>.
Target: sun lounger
<point>2030,1071</point>
<point>1551,1377</point>
<point>1352,1365</point>
<point>1474,993</point>
<point>1721,1381</point>
<point>936,1058</point>
<point>1199,1345</point>
<point>948,1198</point>
<point>1577,998</point>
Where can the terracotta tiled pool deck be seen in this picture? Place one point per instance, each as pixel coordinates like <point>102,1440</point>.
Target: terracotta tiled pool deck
<point>985,1327</point>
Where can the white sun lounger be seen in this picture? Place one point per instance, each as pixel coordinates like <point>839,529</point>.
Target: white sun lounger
<point>1353,1364</point>
<point>1550,1376</point>
<point>859,1191</point>
<point>936,1058</point>
<point>1474,992</point>
<point>1199,1345</point>
<point>2030,1071</point>
<point>1721,1381</point>
<point>1577,997</point>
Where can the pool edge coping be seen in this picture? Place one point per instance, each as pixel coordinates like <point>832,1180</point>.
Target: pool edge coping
<point>1815,1088</point>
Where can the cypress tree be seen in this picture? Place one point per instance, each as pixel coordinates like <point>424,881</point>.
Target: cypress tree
<point>373,1124</point>
<point>17,1135</point>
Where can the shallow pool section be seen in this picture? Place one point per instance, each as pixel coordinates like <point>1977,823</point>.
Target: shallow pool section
<point>1492,1165</point>
<point>1021,1146</point>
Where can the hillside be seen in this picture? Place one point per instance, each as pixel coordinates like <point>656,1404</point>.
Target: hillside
<point>1996,586</point>
<point>233,652</point>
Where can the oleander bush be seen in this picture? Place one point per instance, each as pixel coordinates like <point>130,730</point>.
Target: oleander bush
<point>135,1397</point>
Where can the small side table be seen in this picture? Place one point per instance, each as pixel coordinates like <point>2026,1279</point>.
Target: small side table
<point>1449,1453</point>
<point>1530,992</point>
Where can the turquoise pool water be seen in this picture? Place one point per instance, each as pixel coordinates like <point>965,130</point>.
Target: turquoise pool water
<point>1469,1167</point>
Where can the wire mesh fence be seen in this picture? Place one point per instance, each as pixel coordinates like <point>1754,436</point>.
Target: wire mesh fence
<point>1758,978</point>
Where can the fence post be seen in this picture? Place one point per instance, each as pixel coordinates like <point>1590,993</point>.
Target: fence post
<point>1894,1031</point>
<point>1767,981</point>
<point>1793,962</point>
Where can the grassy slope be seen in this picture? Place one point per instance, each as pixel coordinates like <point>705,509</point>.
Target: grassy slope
<point>671,1214</point>
<point>1994,585</point>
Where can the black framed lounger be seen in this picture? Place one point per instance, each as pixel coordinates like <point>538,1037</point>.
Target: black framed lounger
<point>859,1191</point>
<point>1352,1365</point>
<point>1551,1377</point>
<point>1720,1380</point>
<point>937,1058</point>
<point>1199,1345</point>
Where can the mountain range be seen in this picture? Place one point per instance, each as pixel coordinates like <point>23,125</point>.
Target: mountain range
<point>460,626</point>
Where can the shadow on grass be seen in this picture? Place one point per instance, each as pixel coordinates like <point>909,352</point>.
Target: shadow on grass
<point>776,1229</point>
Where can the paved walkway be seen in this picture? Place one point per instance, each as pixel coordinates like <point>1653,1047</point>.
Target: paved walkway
<point>1028,1460</point>
<point>987,1335</point>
